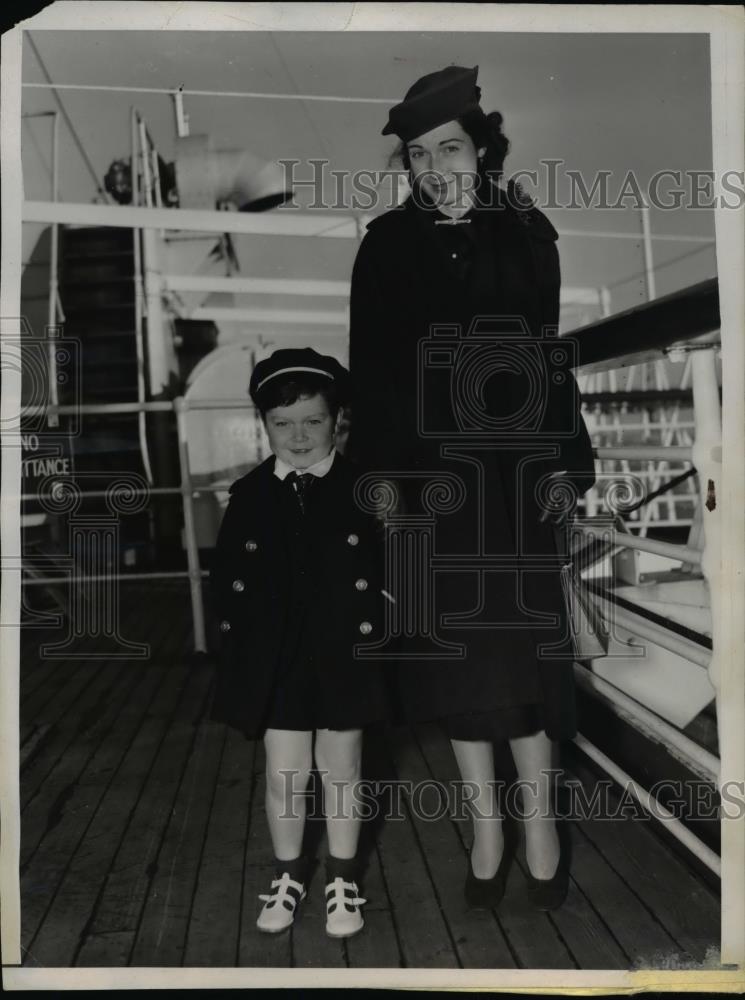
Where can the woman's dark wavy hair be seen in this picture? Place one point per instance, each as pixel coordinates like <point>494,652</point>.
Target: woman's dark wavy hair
<point>484,130</point>
<point>286,391</point>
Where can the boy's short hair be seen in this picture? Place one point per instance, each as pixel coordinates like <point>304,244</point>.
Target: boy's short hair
<point>298,373</point>
<point>288,389</point>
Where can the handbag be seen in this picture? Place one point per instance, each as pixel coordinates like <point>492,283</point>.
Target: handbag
<point>589,631</point>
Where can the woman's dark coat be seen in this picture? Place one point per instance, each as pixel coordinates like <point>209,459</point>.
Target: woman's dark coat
<point>254,584</point>
<point>409,404</point>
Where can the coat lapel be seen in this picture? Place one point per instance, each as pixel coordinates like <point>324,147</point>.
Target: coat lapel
<point>426,267</point>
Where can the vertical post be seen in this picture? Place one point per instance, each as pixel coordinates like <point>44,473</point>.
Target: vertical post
<point>145,153</point>
<point>156,334</point>
<point>156,183</point>
<point>190,538</point>
<point>707,457</point>
<point>139,297</point>
<point>182,119</point>
<point>52,418</point>
<point>648,257</point>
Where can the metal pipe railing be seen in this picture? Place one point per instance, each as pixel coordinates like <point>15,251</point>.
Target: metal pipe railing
<point>645,452</point>
<point>627,541</point>
<point>652,805</point>
<point>648,723</point>
<point>647,329</point>
<point>126,577</point>
<point>163,406</point>
<point>643,628</point>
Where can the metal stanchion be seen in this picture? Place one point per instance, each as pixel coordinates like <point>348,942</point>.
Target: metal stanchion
<point>192,551</point>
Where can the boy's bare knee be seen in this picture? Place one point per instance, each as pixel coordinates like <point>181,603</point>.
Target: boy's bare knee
<point>342,775</point>
<point>286,783</point>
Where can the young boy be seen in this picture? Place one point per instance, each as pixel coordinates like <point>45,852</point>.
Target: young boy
<point>296,579</point>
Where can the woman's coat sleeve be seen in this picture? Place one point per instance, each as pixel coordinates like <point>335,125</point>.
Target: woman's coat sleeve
<point>374,403</point>
<point>564,402</point>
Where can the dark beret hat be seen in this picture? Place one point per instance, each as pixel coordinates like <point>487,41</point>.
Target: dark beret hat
<point>293,361</point>
<point>433,100</point>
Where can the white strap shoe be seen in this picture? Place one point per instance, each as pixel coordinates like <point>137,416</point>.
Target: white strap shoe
<point>343,917</point>
<point>280,904</point>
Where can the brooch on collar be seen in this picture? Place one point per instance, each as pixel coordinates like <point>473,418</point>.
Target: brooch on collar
<point>451,222</point>
<point>521,202</point>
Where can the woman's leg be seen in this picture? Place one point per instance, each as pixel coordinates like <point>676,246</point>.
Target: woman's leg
<point>289,755</point>
<point>338,756</point>
<point>532,755</point>
<point>475,760</point>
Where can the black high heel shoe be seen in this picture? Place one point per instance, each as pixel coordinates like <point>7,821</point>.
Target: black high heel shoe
<point>486,893</point>
<point>549,893</point>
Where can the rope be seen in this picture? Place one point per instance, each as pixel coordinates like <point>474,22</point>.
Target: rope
<point>215,93</point>
<point>665,488</point>
<point>76,138</point>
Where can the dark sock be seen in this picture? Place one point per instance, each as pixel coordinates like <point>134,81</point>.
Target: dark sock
<point>297,869</point>
<point>346,868</point>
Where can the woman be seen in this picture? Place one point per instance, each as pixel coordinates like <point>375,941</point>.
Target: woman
<point>457,372</point>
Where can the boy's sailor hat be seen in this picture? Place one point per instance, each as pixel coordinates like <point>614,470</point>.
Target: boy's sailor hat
<point>291,362</point>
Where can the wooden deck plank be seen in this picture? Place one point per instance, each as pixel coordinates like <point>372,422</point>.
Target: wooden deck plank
<point>60,681</point>
<point>312,948</point>
<point>377,946</point>
<point>532,940</point>
<point>38,676</point>
<point>256,949</point>
<point>70,739</point>
<point>478,937</point>
<point>161,936</point>
<point>632,925</point>
<point>424,936</point>
<point>52,820</point>
<point>35,735</point>
<point>587,937</point>
<point>98,809</point>
<point>659,877</point>
<point>110,932</point>
<point>214,927</point>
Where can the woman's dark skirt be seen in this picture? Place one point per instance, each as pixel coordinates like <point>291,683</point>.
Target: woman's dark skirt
<point>496,725</point>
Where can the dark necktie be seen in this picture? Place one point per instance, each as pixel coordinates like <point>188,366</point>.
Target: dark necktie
<point>299,484</point>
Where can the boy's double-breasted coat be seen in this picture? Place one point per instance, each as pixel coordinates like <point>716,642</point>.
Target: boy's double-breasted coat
<point>270,608</point>
<point>457,374</point>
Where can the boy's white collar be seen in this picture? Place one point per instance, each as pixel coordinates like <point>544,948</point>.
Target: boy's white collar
<point>282,469</point>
